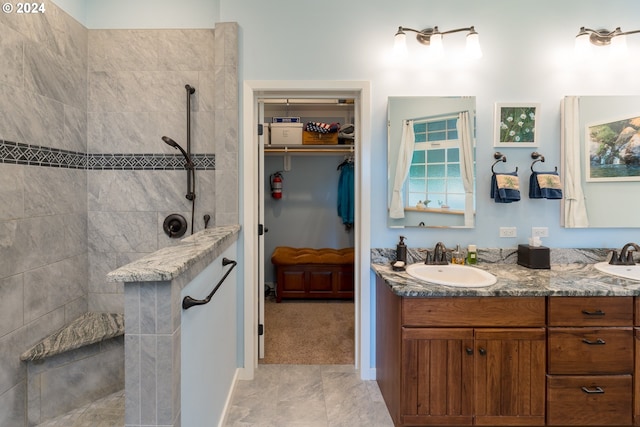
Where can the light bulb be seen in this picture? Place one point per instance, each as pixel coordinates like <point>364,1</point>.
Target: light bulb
<point>582,47</point>
<point>472,47</point>
<point>400,45</point>
<point>619,45</point>
<point>436,50</point>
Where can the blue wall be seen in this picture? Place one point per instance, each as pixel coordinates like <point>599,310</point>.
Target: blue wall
<point>527,58</point>
<point>210,341</point>
<point>307,214</point>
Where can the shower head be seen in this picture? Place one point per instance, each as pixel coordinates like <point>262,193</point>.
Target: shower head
<point>190,89</point>
<point>177,146</point>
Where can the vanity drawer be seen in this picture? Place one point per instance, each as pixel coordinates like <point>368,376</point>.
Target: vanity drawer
<point>474,311</point>
<point>588,401</point>
<point>590,311</point>
<point>590,350</point>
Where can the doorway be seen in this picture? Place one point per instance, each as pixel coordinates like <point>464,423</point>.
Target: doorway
<point>251,165</point>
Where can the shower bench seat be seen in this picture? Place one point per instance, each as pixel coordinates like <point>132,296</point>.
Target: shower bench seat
<point>84,358</point>
<point>306,273</point>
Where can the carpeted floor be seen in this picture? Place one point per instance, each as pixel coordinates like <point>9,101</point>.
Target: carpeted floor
<point>309,332</point>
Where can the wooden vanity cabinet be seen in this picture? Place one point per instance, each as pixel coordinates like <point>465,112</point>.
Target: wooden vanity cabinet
<point>461,360</point>
<point>590,361</point>
<point>636,368</point>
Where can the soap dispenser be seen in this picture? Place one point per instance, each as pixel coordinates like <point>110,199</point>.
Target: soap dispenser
<point>401,251</point>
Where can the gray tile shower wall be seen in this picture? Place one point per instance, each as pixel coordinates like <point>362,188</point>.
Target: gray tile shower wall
<point>136,95</point>
<point>86,179</point>
<point>43,209</point>
<point>227,123</point>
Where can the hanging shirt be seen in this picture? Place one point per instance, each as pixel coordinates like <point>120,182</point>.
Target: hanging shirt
<point>346,194</point>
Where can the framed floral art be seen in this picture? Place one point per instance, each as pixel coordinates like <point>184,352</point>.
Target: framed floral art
<point>516,125</point>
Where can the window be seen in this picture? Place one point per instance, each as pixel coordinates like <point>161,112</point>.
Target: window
<point>434,177</point>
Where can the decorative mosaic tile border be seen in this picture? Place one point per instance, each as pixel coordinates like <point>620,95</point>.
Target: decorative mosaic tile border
<point>35,155</point>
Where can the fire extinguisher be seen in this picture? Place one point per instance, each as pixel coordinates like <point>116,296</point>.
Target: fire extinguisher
<point>276,185</point>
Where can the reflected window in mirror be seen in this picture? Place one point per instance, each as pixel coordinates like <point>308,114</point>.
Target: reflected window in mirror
<point>431,162</point>
<point>434,178</point>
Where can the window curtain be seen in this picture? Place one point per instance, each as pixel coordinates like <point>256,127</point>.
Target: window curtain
<point>465,134</point>
<point>575,208</point>
<point>405,155</point>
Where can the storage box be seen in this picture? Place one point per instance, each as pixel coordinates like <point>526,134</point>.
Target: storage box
<point>285,120</point>
<point>286,133</point>
<point>534,256</point>
<point>317,138</point>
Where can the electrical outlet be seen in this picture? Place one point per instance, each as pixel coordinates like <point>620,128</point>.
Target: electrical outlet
<point>508,232</point>
<point>539,232</point>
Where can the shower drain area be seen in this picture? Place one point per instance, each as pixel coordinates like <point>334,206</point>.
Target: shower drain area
<point>108,411</point>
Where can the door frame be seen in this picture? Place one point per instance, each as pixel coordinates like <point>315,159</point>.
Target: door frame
<point>249,167</point>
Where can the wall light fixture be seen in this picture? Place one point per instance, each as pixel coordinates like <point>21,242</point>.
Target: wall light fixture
<point>616,39</point>
<point>432,37</point>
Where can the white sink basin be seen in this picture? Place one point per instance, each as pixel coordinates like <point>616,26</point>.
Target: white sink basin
<point>459,276</point>
<point>627,271</point>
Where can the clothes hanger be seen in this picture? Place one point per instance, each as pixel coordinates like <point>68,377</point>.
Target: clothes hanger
<point>347,159</point>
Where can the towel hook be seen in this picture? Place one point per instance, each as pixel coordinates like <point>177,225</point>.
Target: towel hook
<point>499,158</point>
<point>537,158</point>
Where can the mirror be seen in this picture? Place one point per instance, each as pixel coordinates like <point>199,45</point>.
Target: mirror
<point>601,161</point>
<point>431,161</point>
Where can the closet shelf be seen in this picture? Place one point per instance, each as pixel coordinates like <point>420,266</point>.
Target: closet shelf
<point>310,149</point>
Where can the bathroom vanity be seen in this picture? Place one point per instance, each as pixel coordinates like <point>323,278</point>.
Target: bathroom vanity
<point>540,347</point>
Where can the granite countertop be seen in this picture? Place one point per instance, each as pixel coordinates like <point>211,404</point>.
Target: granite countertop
<point>573,279</point>
<point>168,263</point>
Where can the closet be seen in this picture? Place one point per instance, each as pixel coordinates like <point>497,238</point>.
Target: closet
<point>304,177</point>
<point>306,215</point>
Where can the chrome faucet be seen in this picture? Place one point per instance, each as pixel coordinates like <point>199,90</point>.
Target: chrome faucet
<point>438,256</point>
<point>626,256</point>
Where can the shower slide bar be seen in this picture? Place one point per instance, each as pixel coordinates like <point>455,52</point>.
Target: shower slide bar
<point>188,302</point>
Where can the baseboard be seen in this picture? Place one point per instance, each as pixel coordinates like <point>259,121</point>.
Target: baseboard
<point>368,374</point>
<point>227,403</point>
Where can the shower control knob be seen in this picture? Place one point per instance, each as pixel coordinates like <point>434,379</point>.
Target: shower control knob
<point>175,226</point>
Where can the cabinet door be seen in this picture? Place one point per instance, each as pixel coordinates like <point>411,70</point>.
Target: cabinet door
<point>636,376</point>
<point>437,376</point>
<point>319,282</point>
<point>510,376</point>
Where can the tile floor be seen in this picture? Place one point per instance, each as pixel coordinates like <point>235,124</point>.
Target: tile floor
<point>307,396</point>
<point>279,396</point>
<point>106,412</point>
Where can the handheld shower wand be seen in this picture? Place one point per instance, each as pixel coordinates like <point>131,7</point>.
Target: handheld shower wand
<point>191,194</point>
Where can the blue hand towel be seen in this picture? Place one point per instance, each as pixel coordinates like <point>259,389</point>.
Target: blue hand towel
<point>545,185</point>
<point>505,187</point>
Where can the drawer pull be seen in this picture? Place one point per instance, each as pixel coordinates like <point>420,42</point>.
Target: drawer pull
<point>469,351</point>
<point>599,341</point>
<point>593,313</point>
<point>482,351</point>
<point>595,390</point>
